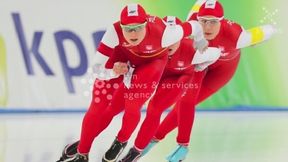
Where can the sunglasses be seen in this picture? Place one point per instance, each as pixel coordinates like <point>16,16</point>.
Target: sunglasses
<point>206,21</point>
<point>131,28</point>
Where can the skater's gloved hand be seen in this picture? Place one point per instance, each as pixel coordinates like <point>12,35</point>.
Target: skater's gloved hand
<point>120,68</point>
<point>201,44</point>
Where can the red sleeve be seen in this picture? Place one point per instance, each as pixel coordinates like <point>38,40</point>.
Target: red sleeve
<point>105,50</point>
<point>187,29</point>
<point>110,63</point>
<point>110,39</point>
<point>232,30</point>
<point>117,56</point>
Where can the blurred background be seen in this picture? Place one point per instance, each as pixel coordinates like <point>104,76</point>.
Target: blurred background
<point>47,47</point>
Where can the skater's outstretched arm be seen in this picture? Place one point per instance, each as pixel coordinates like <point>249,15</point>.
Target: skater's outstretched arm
<point>255,35</point>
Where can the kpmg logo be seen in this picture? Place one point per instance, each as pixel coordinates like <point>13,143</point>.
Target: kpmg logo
<point>33,50</point>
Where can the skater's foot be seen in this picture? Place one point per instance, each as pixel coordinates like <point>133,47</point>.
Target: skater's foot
<point>69,152</point>
<point>132,156</point>
<point>114,151</point>
<point>178,154</point>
